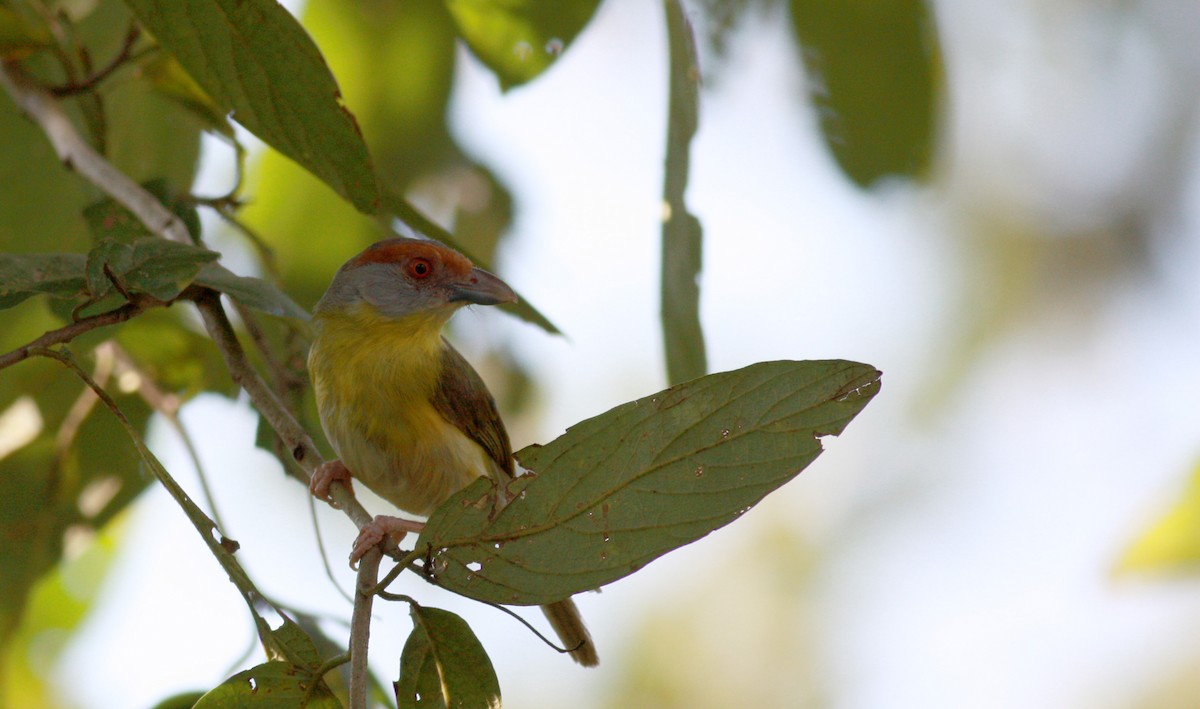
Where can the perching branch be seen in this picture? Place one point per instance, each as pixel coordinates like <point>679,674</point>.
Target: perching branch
<point>360,626</point>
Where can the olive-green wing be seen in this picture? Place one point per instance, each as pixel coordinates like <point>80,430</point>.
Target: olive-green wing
<point>464,400</point>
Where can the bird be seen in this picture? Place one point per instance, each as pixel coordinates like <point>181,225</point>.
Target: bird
<point>406,414</point>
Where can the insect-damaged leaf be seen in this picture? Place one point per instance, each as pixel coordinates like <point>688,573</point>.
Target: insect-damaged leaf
<point>444,666</point>
<point>271,685</point>
<point>519,40</point>
<point>621,489</point>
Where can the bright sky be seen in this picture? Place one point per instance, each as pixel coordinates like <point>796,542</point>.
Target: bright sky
<point>964,556</point>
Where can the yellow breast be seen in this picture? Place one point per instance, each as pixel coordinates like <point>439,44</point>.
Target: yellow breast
<point>374,379</point>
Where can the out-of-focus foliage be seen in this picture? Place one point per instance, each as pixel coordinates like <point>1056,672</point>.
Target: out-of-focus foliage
<point>1172,543</point>
<point>875,78</point>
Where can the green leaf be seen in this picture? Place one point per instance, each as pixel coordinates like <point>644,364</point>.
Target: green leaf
<point>185,700</point>
<point>683,338</point>
<point>444,666</point>
<point>271,685</point>
<point>519,39</point>
<point>254,59</point>
<point>295,646</point>
<point>1171,544</point>
<point>172,80</point>
<point>156,267</point>
<point>251,292</point>
<point>26,275</point>
<point>621,489</point>
<point>108,219</point>
<point>876,75</point>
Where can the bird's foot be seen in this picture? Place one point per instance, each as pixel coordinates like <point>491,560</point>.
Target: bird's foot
<point>382,527</point>
<point>325,475</point>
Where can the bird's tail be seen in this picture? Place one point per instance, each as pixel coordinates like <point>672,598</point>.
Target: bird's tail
<point>565,619</point>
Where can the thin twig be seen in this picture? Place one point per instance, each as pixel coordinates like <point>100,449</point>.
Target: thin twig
<point>75,153</point>
<point>69,332</point>
<point>316,523</point>
<point>168,405</point>
<point>72,88</point>
<point>360,626</point>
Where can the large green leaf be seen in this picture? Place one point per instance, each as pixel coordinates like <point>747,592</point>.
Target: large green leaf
<point>875,68</point>
<point>519,39</point>
<point>255,60</point>
<point>621,489</point>
<point>271,685</point>
<point>444,666</point>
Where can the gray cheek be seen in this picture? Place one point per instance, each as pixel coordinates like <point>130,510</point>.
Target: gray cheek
<point>385,288</point>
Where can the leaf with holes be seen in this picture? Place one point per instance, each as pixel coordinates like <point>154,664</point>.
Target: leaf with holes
<point>519,40</point>
<point>621,489</point>
<point>271,685</point>
<point>444,666</point>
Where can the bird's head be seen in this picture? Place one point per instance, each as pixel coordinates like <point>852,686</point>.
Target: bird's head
<point>398,278</point>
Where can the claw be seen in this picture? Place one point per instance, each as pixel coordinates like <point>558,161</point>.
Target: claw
<point>325,475</point>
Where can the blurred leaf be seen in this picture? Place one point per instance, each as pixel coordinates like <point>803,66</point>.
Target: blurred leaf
<point>18,37</point>
<point>519,39</point>
<point>444,666</point>
<point>683,337</point>
<point>174,356</point>
<point>256,60</point>
<point>57,606</point>
<point>156,267</point>
<point>26,275</point>
<point>271,685</point>
<point>875,72</point>
<point>71,475</point>
<point>1173,542</point>
<point>621,489</point>
<point>251,292</point>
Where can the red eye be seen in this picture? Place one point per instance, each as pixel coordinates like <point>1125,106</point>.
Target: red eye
<point>420,268</point>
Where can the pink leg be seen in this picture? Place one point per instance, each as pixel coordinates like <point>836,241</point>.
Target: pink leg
<point>382,527</point>
<point>325,475</point>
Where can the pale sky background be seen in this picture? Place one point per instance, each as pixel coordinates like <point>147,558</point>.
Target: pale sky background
<point>962,539</point>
